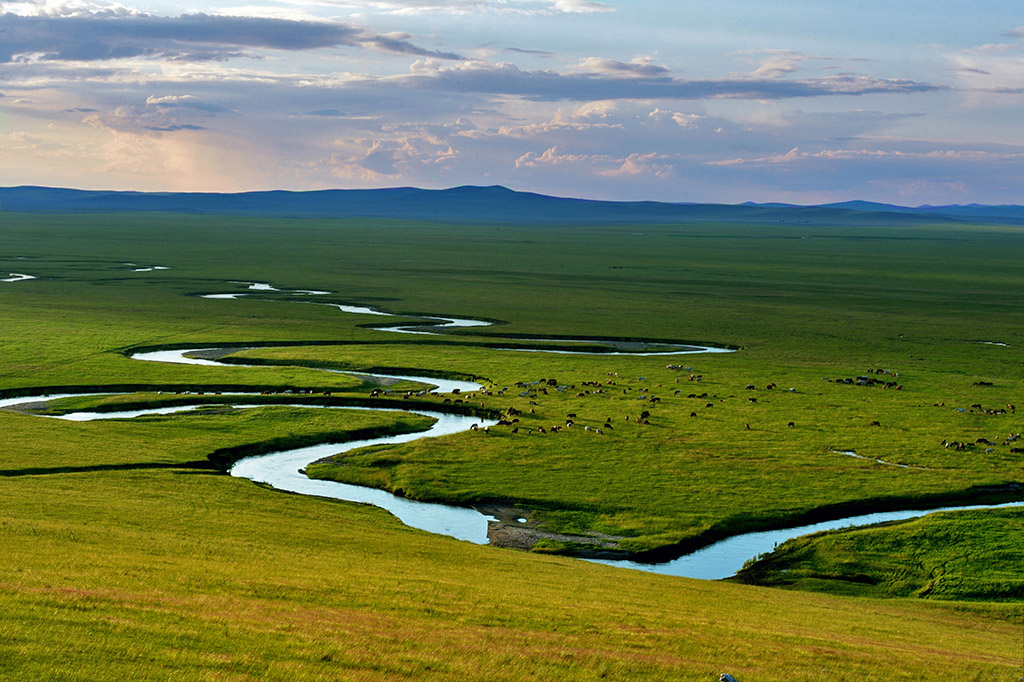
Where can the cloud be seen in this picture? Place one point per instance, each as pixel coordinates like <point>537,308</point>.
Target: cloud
<point>582,6</point>
<point>989,71</point>
<point>332,113</point>
<point>679,118</point>
<point>378,159</point>
<point>551,157</point>
<point>970,70</point>
<point>539,53</point>
<point>520,7</point>
<point>639,67</point>
<point>189,37</point>
<point>650,164</point>
<point>555,128</point>
<point>329,104</point>
<point>794,155</point>
<point>183,102</point>
<point>1017,33</point>
<point>434,133</point>
<point>172,128</point>
<point>549,85</point>
<point>596,109</point>
<point>778,63</point>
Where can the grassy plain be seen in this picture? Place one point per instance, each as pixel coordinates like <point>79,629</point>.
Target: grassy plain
<point>165,574</point>
<point>954,556</point>
<point>149,572</point>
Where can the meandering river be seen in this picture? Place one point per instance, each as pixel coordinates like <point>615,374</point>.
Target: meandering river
<point>283,470</point>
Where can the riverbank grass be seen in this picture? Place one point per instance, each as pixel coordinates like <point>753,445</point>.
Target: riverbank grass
<point>150,574</point>
<point>967,555</point>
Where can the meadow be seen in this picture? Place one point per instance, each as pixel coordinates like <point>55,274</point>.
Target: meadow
<point>970,555</point>
<point>131,556</point>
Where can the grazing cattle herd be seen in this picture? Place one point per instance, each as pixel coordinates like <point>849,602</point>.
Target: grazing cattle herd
<point>535,391</point>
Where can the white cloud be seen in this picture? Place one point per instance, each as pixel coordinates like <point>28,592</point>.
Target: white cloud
<point>653,164</point>
<point>649,164</point>
<point>638,67</point>
<point>68,8</point>
<point>183,101</point>
<point>779,63</point>
<point>503,78</point>
<point>378,159</point>
<point>551,157</point>
<point>679,118</point>
<point>794,155</point>
<point>520,7</point>
<point>582,6</point>
<point>989,71</point>
<point>596,109</point>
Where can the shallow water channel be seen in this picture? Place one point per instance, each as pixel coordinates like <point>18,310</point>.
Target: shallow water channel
<point>435,325</point>
<point>17,277</point>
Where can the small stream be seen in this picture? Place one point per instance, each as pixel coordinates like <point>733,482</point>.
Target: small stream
<point>180,357</point>
<point>17,277</point>
<point>434,325</point>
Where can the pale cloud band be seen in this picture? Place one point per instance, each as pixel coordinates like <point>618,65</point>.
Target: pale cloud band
<point>521,7</point>
<point>604,79</point>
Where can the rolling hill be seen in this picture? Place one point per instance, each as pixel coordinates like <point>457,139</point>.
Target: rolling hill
<point>495,204</point>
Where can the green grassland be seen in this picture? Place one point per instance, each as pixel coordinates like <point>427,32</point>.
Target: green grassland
<point>684,479</point>
<point>141,562</point>
<point>167,574</point>
<point>955,556</point>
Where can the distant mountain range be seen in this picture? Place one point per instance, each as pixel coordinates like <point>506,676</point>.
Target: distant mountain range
<point>495,205</point>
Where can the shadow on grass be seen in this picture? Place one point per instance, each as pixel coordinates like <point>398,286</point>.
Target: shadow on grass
<point>197,466</point>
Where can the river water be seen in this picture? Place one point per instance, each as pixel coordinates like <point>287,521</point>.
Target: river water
<point>282,470</point>
<point>433,325</point>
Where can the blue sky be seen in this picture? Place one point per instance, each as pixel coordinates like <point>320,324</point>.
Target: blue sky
<point>729,101</point>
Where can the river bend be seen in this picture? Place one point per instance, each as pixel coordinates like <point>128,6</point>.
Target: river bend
<point>283,469</point>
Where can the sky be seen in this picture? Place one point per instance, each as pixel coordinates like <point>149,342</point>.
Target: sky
<point>725,101</point>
